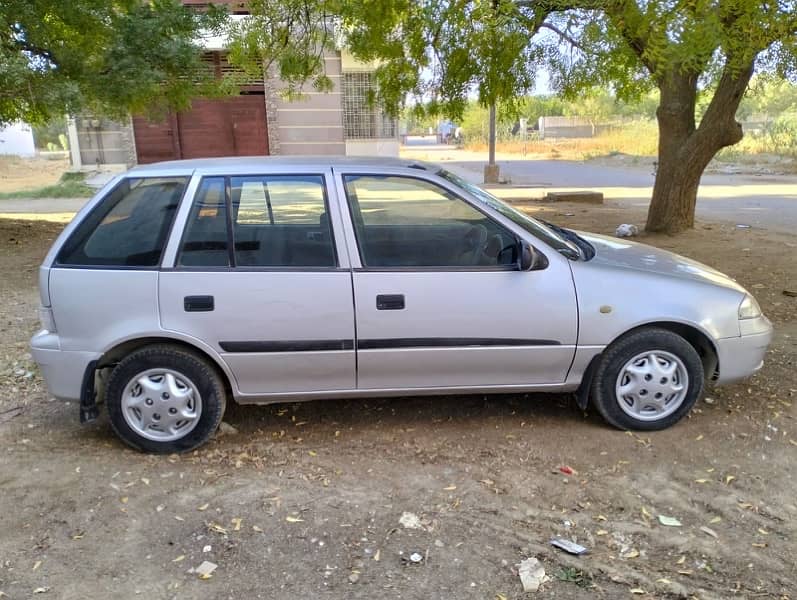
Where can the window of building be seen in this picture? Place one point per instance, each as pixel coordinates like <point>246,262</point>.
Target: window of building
<point>128,227</point>
<point>363,118</point>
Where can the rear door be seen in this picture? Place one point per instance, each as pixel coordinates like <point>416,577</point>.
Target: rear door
<point>439,299</point>
<point>258,276</point>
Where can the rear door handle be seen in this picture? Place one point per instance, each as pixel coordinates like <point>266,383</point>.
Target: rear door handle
<point>198,303</point>
<point>390,302</point>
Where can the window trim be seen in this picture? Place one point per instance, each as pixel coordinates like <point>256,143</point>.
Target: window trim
<point>233,266</point>
<point>178,255</point>
<point>125,180</point>
<point>420,269</point>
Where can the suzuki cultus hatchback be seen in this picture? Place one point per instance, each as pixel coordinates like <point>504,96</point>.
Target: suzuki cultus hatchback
<point>184,285</point>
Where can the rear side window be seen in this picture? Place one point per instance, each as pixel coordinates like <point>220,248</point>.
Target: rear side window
<point>275,221</point>
<point>128,228</point>
<point>281,221</point>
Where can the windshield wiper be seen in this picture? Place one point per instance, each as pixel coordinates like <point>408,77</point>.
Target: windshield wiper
<point>587,248</point>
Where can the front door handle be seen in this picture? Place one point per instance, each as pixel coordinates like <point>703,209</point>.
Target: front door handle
<point>390,302</point>
<point>198,303</point>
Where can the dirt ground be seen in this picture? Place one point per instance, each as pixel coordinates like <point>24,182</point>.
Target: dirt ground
<point>304,500</point>
<point>28,173</point>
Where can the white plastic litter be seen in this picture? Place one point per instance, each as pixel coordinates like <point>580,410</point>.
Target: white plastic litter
<point>626,230</point>
<point>410,521</point>
<point>206,569</point>
<point>532,574</point>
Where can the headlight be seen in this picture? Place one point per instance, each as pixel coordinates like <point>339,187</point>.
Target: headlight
<point>749,308</point>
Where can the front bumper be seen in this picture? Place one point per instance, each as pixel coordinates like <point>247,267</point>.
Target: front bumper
<point>62,370</point>
<point>740,357</point>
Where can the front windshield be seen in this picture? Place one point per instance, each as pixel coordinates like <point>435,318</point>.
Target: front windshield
<point>533,226</point>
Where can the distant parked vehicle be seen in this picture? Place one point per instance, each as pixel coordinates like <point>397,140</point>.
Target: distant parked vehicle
<point>184,285</point>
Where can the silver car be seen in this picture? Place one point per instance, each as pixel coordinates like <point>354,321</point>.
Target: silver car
<point>183,285</point>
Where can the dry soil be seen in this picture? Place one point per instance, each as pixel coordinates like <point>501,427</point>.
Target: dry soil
<point>304,500</point>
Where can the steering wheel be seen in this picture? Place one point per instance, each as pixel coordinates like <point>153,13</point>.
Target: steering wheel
<point>493,250</point>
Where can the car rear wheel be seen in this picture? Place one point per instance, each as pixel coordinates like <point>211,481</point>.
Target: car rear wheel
<point>165,399</point>
<point>647,380</point>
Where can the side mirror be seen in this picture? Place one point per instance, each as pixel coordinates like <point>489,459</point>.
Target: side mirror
<point>528,258</point>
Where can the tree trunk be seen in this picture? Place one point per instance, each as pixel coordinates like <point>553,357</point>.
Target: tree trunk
<point>491,137</point>
<point>491,171</point>
<point>672,207</point>
<point>684,150</point>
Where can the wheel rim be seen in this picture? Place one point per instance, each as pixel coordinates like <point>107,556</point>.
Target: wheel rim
<point>652,385</point>
<point>161,405</point>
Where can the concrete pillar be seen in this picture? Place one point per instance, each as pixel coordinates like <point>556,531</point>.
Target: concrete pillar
<point>272,124</point>
<point>74,143</point>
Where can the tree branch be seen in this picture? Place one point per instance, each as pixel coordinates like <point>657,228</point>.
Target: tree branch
<point>23,44</point>
<point>564,35</point>
<point>633,35</point>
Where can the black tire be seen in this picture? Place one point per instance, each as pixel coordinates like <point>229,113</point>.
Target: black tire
<point>195,368</point>
<point>615,357</point>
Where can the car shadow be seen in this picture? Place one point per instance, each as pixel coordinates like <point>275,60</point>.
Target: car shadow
<point>471,410</point>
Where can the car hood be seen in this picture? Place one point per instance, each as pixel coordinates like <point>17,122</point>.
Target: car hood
<point>620,253</point>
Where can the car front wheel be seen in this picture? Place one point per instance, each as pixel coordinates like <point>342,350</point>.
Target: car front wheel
<point>647,380</point>
<point>165,399</point>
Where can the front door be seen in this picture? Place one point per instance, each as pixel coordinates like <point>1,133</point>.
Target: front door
<point>257,276</point>
<point>439,300</point>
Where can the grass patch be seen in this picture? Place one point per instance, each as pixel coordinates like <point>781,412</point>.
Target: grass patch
<point>573,575</point>
<point>71,185</point>
<point>637,138</point>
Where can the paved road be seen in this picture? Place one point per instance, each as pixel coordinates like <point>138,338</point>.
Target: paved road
<point>768,201</point>
<point>42,205</point>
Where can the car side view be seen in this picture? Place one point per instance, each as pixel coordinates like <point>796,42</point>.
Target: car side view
<point>184,285</point>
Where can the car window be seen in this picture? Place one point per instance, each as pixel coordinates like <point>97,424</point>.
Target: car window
<point>276,221</point>
<point>206,237</point>
<point>537,228</point>
<point>128,227</point>
<point>408,222</point>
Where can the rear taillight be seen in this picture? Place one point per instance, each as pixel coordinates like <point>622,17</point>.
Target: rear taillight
<point>46,319</point>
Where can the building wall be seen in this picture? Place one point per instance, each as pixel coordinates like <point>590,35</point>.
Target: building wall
<point>312,124</point>
<point>568,127</point>
<point>104,141</point>
<point>17,139</point>
<point>375,147</point>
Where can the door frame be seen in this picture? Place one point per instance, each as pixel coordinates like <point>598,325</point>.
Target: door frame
<point>557,263</point>
<point>351,237</point>
<point>343,268</point>
<point>336,217</point>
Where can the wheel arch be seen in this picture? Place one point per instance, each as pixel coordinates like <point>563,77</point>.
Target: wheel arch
<point>117,352</point>
<point>698,339</point>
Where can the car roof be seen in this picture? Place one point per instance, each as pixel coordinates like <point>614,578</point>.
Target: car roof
<point>254,164</point>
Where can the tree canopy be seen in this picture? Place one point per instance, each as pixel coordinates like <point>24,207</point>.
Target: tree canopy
<point>288,39</point>
<point>684,49</point>
<point>99,55</point>
<point>439,52</point>
<point>700,55</point>
<point>443,49</point>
